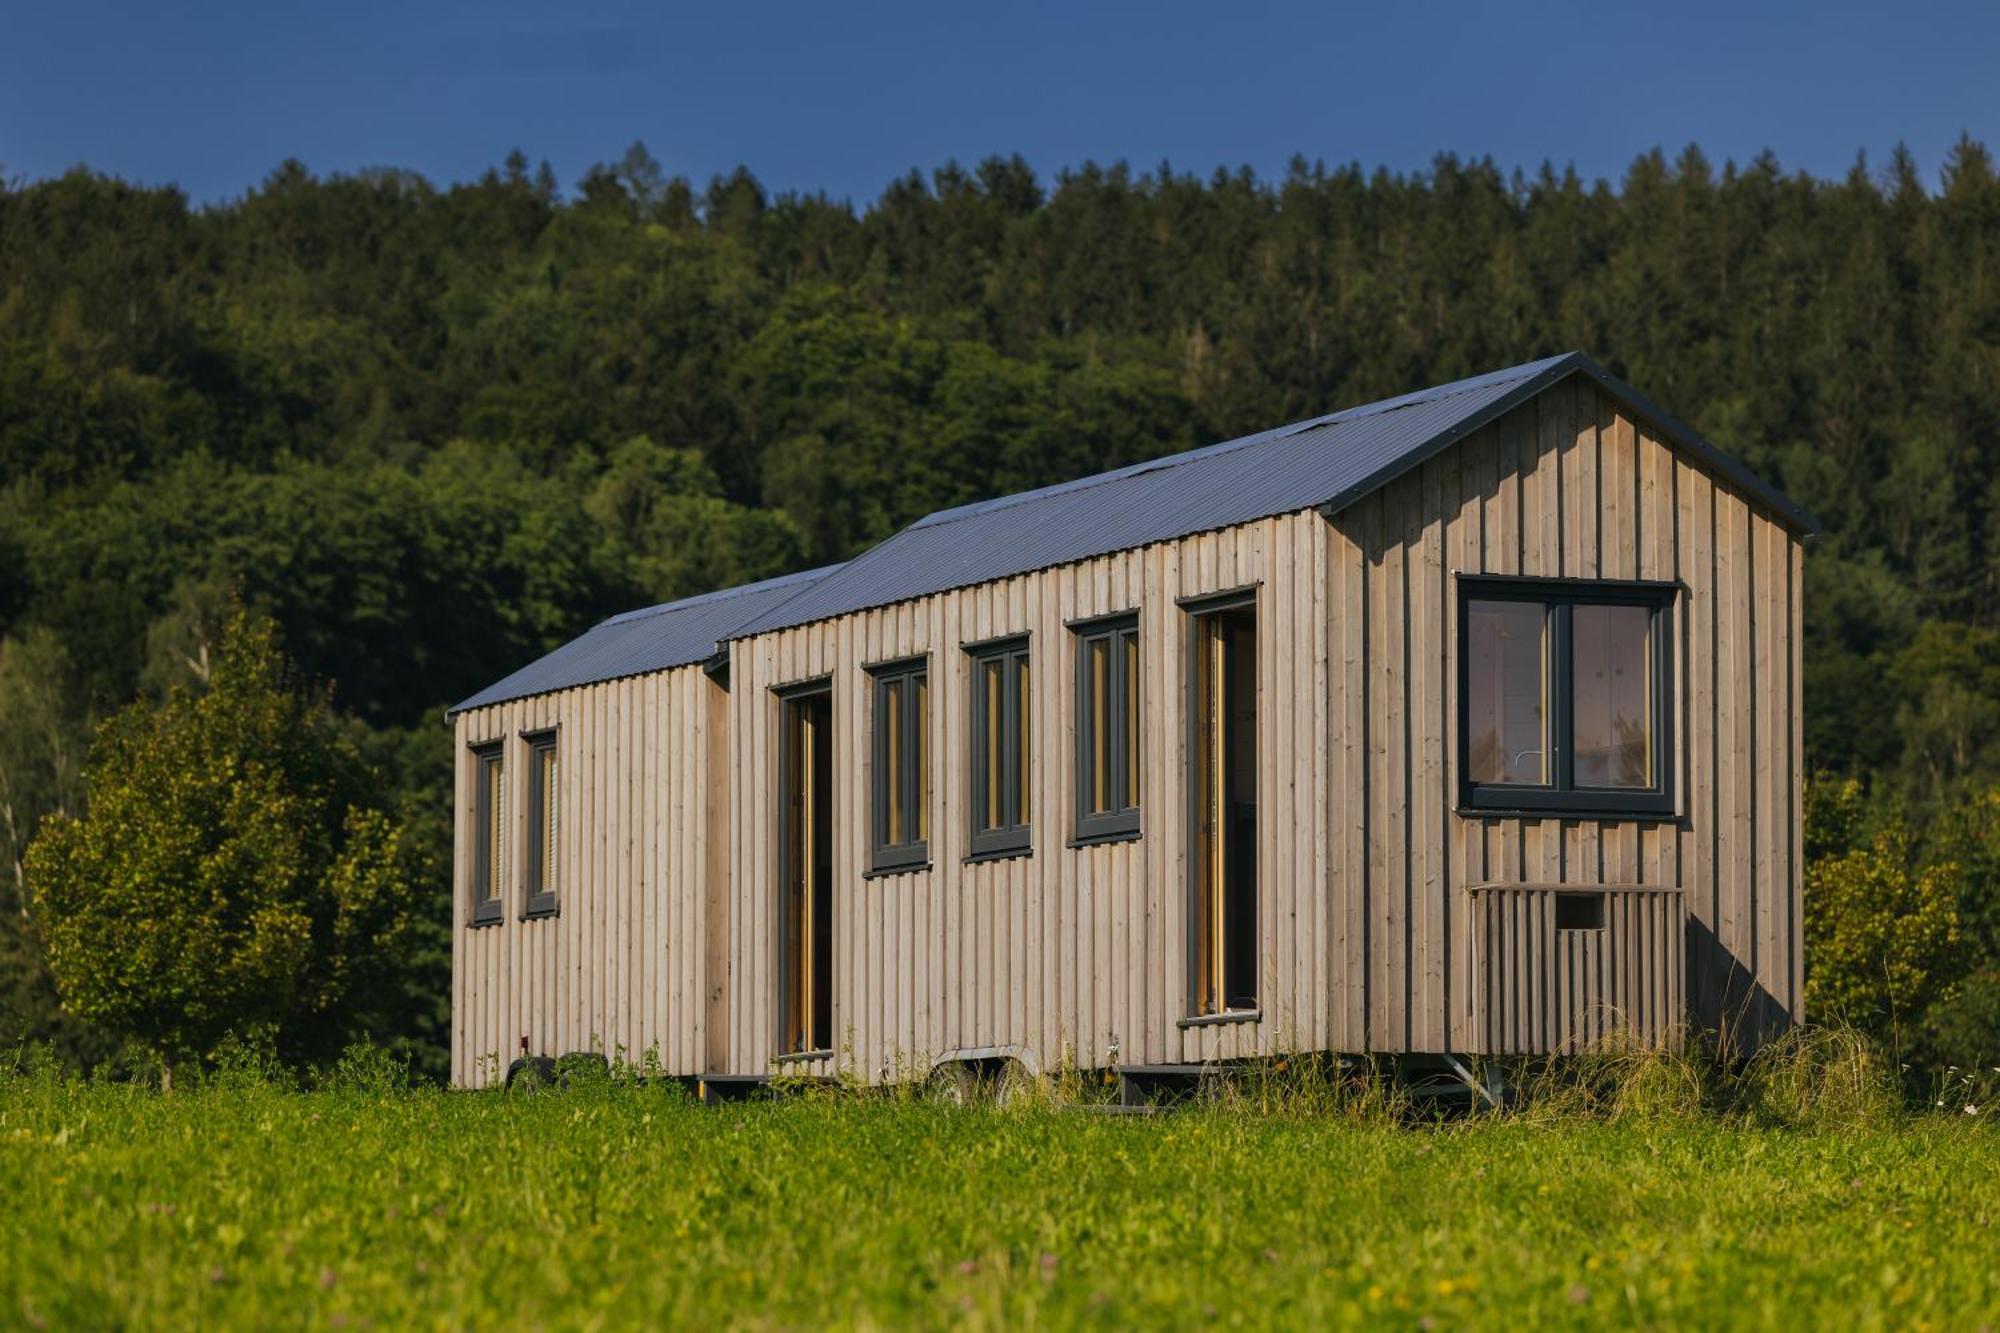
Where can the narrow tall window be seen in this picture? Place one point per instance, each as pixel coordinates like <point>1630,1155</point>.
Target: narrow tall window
<point>1107,732</point>
<point>489,829</point>
<point>1564,699</point>
<point>543,824</point>
<point>1223,788</point>
<point>805,906</point>
<point>902,786</point>
<point>1000,750</point>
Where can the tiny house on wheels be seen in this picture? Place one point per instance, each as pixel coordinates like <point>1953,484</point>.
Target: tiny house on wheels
<point>1465,723</point>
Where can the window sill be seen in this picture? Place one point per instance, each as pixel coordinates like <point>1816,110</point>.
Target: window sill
<point>906,868</point>
<point>1100,839</point>
<point>997,854</point>
<point>1594,813</point>
<point>486,916</point>
<point>1224,1019</point>
<point>802,1057</point>
<point>540,907</point>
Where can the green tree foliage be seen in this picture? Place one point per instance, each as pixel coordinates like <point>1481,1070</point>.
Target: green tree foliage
<point>433,431</point>
<point>235,870</point>
<point>1964,1029</point>
<point>1882,931</point>
<point>665,530</point>
<point>44,740</point>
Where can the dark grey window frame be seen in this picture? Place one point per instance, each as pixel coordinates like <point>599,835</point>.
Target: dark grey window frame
<point>885,857</point>
<point>781,695</point>
<point>1206,604</point>
<point>1015,836</point>
<point>541,899</point>
<point>1561,796</point>
<point>488,910</point>
<point>1122,822</point>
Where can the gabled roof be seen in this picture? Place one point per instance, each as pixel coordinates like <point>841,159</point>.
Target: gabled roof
<point>1327,462</point>
<point>653,639</point>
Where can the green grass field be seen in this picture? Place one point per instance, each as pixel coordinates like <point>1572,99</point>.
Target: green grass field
<point>246,1206</point>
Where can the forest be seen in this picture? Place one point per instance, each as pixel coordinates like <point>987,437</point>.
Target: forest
<point>427,432</point>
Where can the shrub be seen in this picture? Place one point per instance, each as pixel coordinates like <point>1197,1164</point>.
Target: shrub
<point>1882,933</point>
<point>366,1068</point>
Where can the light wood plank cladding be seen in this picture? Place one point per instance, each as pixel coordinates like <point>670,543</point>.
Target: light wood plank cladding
<point>1566,486</point>
<point>631,961</point>
<point>1375,895</point>
<point>1542,988</point>
<point>1070,953</point>
<point>1365,915</point>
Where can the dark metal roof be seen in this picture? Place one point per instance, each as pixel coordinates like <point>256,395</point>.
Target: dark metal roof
<point>1328,462</point>
<point>653,639</point>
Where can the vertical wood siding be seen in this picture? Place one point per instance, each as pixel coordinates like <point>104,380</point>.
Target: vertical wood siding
<point>1365,901</point>
<point>621,968</point>
<point>1367,926</point>
<point>1071,954</point>
<point>1538,990</point>
<point>1565,486</point>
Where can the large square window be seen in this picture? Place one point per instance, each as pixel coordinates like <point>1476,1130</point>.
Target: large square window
<point>1564,696</point>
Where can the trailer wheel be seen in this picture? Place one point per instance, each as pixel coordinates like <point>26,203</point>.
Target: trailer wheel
<point>1012,1083</point>
<point>954,1083</point>
<point>530,1073</point>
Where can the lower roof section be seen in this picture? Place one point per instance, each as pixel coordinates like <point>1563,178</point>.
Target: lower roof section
<point>656,638</point>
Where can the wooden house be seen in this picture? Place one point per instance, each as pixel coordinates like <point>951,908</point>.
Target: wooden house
<point>591,843</point>
<point>1462,723</point>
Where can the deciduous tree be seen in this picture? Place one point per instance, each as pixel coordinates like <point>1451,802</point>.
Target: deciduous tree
<point>236,868</point>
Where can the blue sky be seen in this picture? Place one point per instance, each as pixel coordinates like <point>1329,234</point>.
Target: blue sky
<point>842,98</point>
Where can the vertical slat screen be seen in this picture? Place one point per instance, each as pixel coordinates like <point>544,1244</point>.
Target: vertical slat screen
<point>1542,990</point>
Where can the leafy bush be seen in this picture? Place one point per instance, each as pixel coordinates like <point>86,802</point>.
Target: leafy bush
<point>234,870</point>
<point>366,1069</point>
<point>1882,934</point>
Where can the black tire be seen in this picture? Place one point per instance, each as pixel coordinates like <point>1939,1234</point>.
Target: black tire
<point>531,1072</point>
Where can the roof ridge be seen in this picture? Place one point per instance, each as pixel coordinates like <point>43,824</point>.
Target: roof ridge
<point>1201,453</point>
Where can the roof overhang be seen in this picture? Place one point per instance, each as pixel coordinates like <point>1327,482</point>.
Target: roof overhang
<point>1676,431</point>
